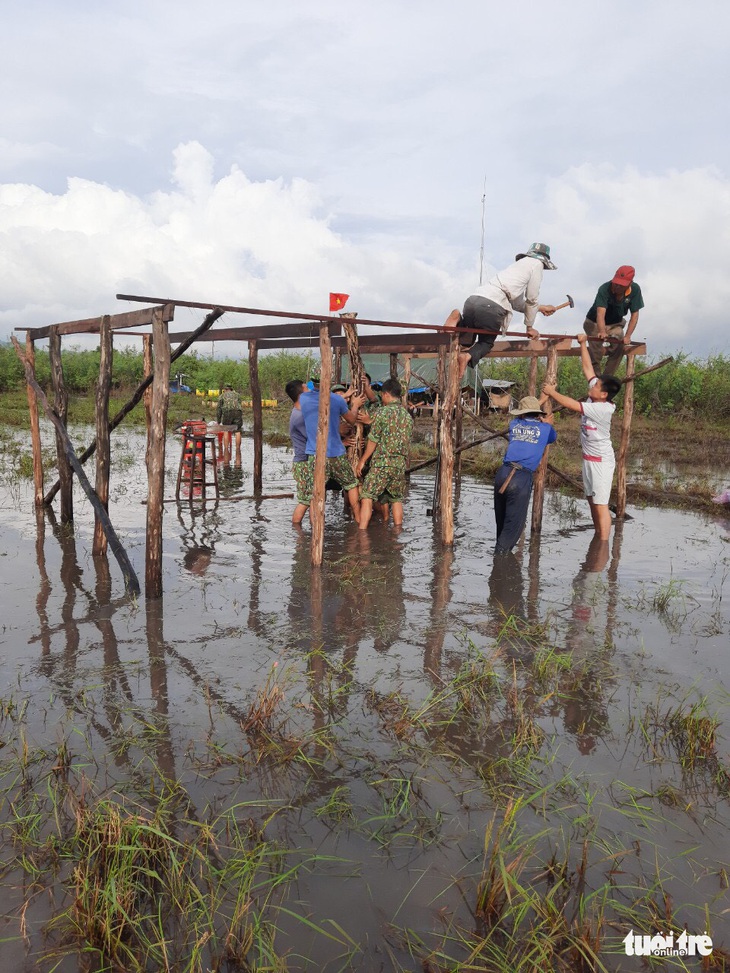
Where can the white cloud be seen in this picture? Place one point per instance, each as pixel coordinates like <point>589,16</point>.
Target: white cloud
<point>272,244</point>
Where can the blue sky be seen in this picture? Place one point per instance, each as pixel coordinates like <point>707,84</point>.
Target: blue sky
<point>264,155</point>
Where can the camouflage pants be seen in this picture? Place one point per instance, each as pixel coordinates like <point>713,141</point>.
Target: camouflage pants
<point>385,483</point>
<point>338,468</point>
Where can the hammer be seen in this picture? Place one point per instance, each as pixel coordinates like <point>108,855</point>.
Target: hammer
<point>570,302</point>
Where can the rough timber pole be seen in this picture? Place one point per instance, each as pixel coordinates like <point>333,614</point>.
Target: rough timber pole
<point>532,376</point>
<point>625,436</point>
<point>316,508</point>
<point>60,404</point>
<point>538,488</point>
<point>35,426</point>
<point>147,373</point>
<point>446,426</point>
<point>394,366</point>
<point>357,381</point>
<point>103,436</point>
<point>406,386</point>
<point>156,456</point>
<point>258,421</point>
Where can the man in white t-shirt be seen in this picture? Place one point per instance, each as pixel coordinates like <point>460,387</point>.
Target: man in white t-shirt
<point>489,308</point>
<point>599,461</point>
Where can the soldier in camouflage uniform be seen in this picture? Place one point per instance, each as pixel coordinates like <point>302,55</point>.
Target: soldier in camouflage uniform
<point>229,413</point>
<point>387,452</point>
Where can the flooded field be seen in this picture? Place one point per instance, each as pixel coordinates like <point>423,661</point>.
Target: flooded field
<point>413,759</point>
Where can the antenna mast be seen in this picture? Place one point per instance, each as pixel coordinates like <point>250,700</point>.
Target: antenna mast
<point>481,248</point>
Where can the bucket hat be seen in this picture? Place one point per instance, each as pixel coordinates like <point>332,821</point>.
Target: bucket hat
<point>542,252</point>
<point>528,404</point>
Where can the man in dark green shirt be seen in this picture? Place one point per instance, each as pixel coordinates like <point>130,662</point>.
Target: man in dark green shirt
<point>606,318</point>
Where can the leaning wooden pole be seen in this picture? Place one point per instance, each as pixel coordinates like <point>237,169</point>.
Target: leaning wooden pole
<point>210,319</point>
<point>625,436</point>
<point>538,487</point>
<point>316,508</point>
<point>60,404</point>
<point>130,578</point>
<point>35,426</point>
<point>446,438</point>
<point>103,436</point>
<point>156,456</point>
<point>258,420</point>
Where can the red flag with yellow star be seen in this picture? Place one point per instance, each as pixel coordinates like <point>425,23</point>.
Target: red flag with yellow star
<point>338,301</point>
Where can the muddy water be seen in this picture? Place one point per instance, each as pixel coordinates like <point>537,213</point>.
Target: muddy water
<point>390,620</point>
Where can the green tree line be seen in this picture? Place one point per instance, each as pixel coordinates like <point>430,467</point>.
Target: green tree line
<point>687,386</point>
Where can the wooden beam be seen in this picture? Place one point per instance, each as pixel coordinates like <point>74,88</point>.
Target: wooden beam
<point>308,331</point>
<point>130,578</point>
<point>129,319</point>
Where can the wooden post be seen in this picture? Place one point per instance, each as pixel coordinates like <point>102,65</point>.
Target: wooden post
<point>458,431</point>
<point>147,374</point>
<point>60,404</point>
<point>156,457</point>
<point>357,381</point>
<point>625,436</point>
<point>439,397</point>
<point>538,486</point>
<point>446,427</point>
<point>394,365</point>
<point>258,421</point>
<point>35,426</point>
<point>338,366</point>
<point>316,508</point>
<point>532,376</point>
<point>406,386</point>
<point>103,436</point>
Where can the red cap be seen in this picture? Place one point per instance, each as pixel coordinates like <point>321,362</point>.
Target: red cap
<point>624,276</point>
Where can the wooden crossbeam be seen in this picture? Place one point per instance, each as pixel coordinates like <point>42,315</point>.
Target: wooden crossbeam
<point>294,330</point>
<point>128,319</point>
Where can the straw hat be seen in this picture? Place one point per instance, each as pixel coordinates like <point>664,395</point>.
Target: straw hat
<point>527,405</point>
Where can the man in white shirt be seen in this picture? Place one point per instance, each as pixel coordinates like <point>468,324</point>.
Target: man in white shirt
<point>490,307</point>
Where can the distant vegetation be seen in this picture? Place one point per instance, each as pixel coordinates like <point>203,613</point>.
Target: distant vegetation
<point>687,386</point>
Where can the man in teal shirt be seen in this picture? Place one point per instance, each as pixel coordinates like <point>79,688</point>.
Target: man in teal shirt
<point>606,318</point>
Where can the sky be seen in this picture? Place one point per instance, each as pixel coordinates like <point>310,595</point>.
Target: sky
<point>264,155</point>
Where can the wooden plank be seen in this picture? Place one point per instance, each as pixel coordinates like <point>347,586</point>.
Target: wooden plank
<point>156,458</point>
<point>128,319</point>
<point>316,507</point>
<point>103,436</point>
<point>130,578</point>
<point>35,426</point>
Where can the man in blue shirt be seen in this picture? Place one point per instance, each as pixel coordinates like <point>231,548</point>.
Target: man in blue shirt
<point>530,433</point>
<point>338,465</point>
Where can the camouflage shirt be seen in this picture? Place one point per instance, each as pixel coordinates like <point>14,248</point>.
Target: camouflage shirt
<point>391,430</point>
<point>228,402</point>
